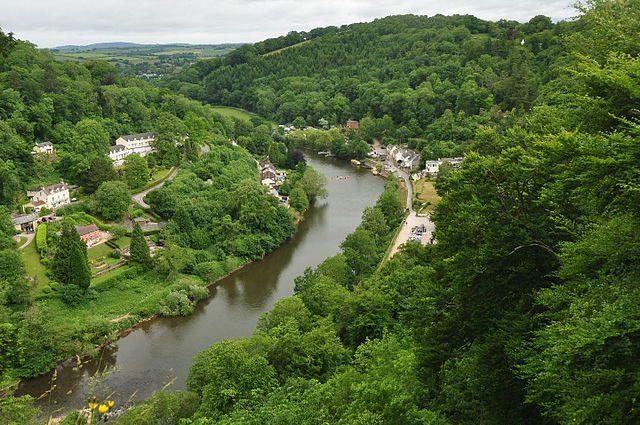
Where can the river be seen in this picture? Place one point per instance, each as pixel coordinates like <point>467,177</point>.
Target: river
<point>161,350</point>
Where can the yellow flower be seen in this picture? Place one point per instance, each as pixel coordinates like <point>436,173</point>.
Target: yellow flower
<point>110,403</point>
<point>103,408</point>
<point>92,405</point>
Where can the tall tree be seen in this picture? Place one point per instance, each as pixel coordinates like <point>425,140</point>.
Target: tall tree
<point>70,264</point>
<point>139,249</point>
<point>112,200</point>
<point>136,171</point>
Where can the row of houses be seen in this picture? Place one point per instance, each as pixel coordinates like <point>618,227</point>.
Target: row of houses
<point>142,144</point>
<point>272,178</point>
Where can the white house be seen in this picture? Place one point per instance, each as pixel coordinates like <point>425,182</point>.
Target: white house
<point>138,143</point>
<point>142,144</point>
<point>53,196</point>
<point>405,158</point>
<point>433,166</point>
<point>117,154</point>
<point>45,148</point>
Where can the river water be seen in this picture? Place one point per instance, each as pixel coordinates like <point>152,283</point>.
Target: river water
<point>161,350</point>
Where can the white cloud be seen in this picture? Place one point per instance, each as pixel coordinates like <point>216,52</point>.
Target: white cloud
<point>50,23</point>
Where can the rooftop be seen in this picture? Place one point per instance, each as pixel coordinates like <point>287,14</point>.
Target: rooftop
<point>26,218</point>
<point>139,136</point>
<point>117,148</point>
<point>83,230</point>
<point>50,189</point>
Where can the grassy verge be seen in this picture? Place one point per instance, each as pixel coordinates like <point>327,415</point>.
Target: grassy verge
<point>157,177</point>
<point>35,269</point>
<point>425,196</point>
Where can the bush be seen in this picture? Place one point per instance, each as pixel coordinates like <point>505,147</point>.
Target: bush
<point>210,270</point>
<point>232,263</point>
<point>72,295</point>
<point>41,239</point>
<point>46,289</point>
<point>177,303</point>
<point>115,254</point>
<point>54,285</point>
<point>118,231</point>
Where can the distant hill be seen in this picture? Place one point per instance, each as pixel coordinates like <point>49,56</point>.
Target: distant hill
<point>106,45</point>
<point>129,45</point>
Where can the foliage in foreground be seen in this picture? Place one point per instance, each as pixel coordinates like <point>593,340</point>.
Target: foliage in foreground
<point>526,309</point>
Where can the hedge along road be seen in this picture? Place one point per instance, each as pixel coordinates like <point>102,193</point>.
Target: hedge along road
<point>162,349</point>
<point>138,198</point>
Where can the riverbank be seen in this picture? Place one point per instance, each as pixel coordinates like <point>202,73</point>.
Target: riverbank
<point>141,359</point>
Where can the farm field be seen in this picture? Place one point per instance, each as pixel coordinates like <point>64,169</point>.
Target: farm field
<point>149,60</point>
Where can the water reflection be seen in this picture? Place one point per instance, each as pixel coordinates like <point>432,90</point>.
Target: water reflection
<point>143,361</point>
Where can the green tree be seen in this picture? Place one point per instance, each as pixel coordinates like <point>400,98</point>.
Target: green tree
<point>298,200</point>
<point>100,170</point>
<point>136,171</point>
<point>314,184</point>
<point>139,249</point>
<point>112,199</point>
<point>70,264</point>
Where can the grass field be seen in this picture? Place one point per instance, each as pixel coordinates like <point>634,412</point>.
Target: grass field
<point>35,269</point>
<point>228,111</point>
<point>425,194</point>
<point>286,48</point>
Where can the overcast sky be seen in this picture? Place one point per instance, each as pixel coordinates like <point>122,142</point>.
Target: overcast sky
<point>50,23</point>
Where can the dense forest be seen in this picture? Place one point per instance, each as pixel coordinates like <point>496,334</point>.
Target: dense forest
<point>51,307</point>
<point>431,81</point>
<point>526,309</point>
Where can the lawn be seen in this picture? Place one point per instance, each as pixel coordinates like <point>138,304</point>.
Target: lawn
<point>425,195</point>
<point>228,111</point>
<point>100,254</point>
<point>35,269</point>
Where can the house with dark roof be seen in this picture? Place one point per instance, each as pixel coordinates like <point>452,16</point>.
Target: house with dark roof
<point>27,223</point>
<point>91,234</point>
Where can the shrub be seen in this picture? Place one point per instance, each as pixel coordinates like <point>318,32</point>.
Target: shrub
<point>210,270</point>
<point>41,239</point>
<point>177,303</point>
<point>72,295</point>
<point>46,289</point>
<point>118,231</point>
<point>115,254</point>
<point>232,263</point>
<point>54,285</point>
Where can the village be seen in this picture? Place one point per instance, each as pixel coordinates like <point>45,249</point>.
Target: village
<point>107,244</point>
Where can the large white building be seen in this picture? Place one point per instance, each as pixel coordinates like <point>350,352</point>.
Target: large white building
<point>142,144</point>
<point>50,197</point>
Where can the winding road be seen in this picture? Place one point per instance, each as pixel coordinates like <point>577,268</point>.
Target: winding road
<point>138,198</point>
